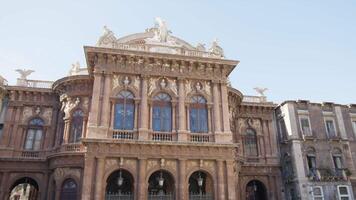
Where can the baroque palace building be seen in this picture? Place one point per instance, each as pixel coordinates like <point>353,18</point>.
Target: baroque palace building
<point>153,117</point>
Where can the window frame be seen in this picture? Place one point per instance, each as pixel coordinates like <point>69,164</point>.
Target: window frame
<point>334,127</point>
<point>353,122</point>
<point>318,197</point>
<point>305,117</point>
<point>249,138</point>
<point>163,105</point>
<point>72,136</point>
<point>199,104</point>
<point>340,196</point>
<point>126,102</point>
<point>36,128</point>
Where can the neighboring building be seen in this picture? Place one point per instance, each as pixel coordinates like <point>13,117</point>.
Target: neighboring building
<point>153,118</point>
<point>318,145</point>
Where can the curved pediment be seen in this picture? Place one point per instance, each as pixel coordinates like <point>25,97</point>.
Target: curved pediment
<point>158,39</point>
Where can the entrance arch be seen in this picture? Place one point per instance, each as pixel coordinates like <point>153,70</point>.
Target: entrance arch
<point>256,190</point>
<point>120,186</point>
<point>69,190</point>
<point>161,186</point>
<point>201,186</point>
<point>24,188</point>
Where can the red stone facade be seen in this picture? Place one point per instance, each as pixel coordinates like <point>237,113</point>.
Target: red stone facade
<point>236,156</point>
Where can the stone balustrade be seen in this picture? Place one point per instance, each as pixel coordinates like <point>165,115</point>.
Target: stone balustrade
<point>124,134</point>
<point>254,99</point>
<point>34,83</point>
<point>163,136</point>
<point>165,48</point>
<point>200,137</point>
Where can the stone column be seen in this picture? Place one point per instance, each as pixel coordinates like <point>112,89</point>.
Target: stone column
<point>136,114</point>
<point>221,179</point>
<point>225,108</point>
<point>216,108</point>
<point>182,191</point>
<point>105,109</point>
<point>4,186</point>
<point>88,178</point>
<point>143,135</point>
<point>231,187</point>
<point>182,135</point>
<point>100,164</point>
<point>95,102</point>
<point>141,183</point>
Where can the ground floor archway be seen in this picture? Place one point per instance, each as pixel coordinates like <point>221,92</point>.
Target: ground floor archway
<point>120,186</point>
<point>201,186</point>
<point>69,190</point>
<point>24,188</point>
<point>256,190</point>
<point>161,186</point>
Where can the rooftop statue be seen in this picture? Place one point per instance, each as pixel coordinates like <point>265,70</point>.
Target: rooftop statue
<point>216,49</point>
<point>162,30</point>
<point>261,91</point>
<point>24,73</point>
<point>108,38</point>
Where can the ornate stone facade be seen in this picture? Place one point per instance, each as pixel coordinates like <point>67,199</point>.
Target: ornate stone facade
<point>229,160</point>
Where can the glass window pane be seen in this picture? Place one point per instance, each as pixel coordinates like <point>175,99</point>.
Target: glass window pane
<point>119,116</point>
<point>203,115</point>
<point>38,137</point>
<point>193,120</point>
<point>30,138</point>
<point>156,119</point>
<point>343,190</point>
<point>129,118</point>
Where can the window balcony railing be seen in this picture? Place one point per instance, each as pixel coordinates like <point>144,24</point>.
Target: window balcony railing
<point>75,147</point>
<point>124,134</point>
<point>29,154</point>
<point>200,137</point>
<point>163,136</point>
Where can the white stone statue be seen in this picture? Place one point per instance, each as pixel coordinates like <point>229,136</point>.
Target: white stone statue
<point>108,39</point>
<point>24,73</point>
<point>216,49</point>
<point>163,31</point>
<point>75,68</point>
<point>261,91</point>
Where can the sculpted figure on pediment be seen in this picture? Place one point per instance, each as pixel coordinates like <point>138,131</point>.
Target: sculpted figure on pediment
<point>152,85</point>
<point>188,87</point>
<point>69,104</point>
<point>136,82</point>
<point>115,81</point>
<point>173,86</point>
<point>47,114</point>
<point>26,113</point>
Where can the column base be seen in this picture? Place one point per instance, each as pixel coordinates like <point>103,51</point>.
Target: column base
<point>182,136</point>
<point>143,134</point>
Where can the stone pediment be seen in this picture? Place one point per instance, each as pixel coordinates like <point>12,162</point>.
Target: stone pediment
<point>158,39</point>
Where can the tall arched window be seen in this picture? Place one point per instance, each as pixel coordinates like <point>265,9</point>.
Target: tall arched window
<point>69,190</point>
<point>124,111</point>
<point>34,134</point>
<point>198,115</point>
<point>162,113</point>
<point>251,143</point>
<point>76,126</point>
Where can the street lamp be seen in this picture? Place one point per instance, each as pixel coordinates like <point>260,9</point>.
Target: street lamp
<point>120,179</point>
<point>161,180</point>
<point>200,183</point>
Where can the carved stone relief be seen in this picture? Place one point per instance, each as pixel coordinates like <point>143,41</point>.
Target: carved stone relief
<point>60,173</point>
<point>26,113</point>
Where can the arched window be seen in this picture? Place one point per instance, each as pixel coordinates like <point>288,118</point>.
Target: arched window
<point>251,143</point>
<point>69,190</point>
<point>76,126</point>
<point>124,111</point>
<point>34,134</point>
<point>162,113</point>
<point>198,115</point>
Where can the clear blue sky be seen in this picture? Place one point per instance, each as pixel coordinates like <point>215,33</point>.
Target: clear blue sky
<point>298,49</point>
